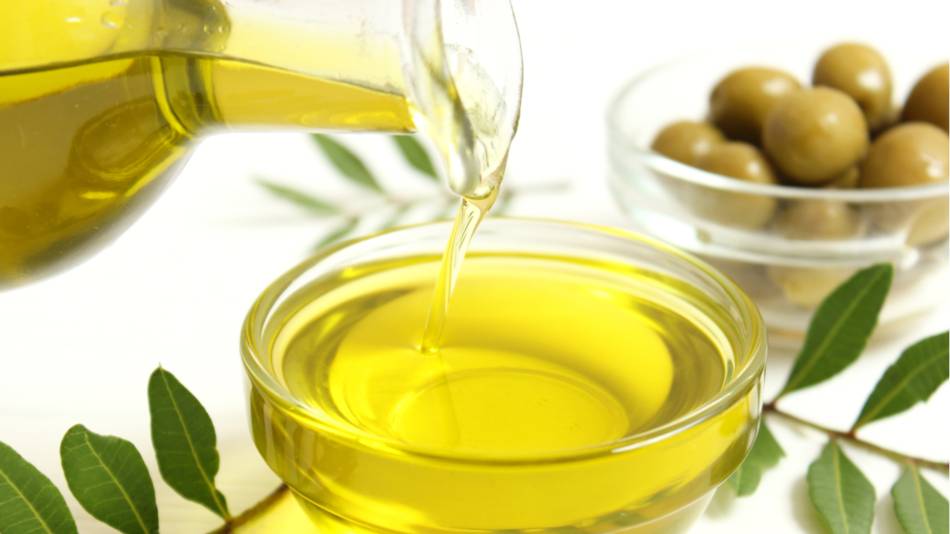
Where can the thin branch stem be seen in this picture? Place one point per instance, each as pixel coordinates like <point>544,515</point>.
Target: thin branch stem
<point>851,437</point>
<point>391,200</point>
<point>248,515</point>
<point>546,187</point>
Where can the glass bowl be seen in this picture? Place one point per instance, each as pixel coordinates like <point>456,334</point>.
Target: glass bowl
<point>350,479</point>
<point>786,272</point>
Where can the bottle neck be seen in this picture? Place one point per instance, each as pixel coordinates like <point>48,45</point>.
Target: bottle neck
<point>211,94</point>
<point>288,65</point>
<point>451,67</point>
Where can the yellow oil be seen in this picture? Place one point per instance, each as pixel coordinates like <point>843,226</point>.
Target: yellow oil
<point>87,139</point>
<point>545,366</point>
<point>83,145</point>
<point>470,214</point>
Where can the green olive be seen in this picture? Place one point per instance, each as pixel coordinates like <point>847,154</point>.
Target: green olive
<point>813,220</point>
<point>818,220</point>
<point>849,179</point>
<point>742,162</point>
<point>908,154</point>
<point>860,72</point>
<point>687,141</point>
<point>807,287</point>
<point>929,222</point>
<point>750,276</point>
<point>740,102</point>
<point>928,100</point>
<point>815,135</point>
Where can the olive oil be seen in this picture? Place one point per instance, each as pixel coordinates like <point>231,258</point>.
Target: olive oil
<point>84,144</point>
<point>542,359</point>
<point>470,214</point>
<point>101,100</point>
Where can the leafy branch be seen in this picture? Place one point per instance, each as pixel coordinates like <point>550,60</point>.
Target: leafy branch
<point>348,219</point>
<point>108,476</point>
<point>836,337</point>
<point>851,437</point>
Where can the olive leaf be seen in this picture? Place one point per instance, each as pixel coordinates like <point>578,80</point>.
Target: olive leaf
<point>448,212</point>
<point>347,162</point>
<point>840,327</point>
<point>913,378</point>
<point>108,477</point>
<point>29,502</point>
<point>337,233</point>
<point>919,507</point>
<point>503,203</point>
<point>302,199</point>
<point>394,218</point>
<point>765,453</point>
<point>185,442</point>
<point>416,155</point>
<point>840,492</point>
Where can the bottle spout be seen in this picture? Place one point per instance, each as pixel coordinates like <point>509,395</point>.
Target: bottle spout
<point>451,68</point>
<point>463,70</point>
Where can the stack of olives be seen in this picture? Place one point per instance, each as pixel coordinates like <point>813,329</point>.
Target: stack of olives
<point>844,132</point>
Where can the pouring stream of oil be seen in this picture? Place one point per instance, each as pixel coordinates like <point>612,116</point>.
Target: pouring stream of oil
<point>469,216</point>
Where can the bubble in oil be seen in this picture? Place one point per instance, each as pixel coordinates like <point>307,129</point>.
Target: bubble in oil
<point>210,29</point>
<point>111,20</point>
<point>119,3</point>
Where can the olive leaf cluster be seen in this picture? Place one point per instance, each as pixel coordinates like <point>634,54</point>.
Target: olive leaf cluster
<point>343,221</point>
<point>841,494</point>
<point>108,476</point>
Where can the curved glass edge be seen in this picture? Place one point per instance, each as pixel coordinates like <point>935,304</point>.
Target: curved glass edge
<point>743,384</point>
<point>619,139</point>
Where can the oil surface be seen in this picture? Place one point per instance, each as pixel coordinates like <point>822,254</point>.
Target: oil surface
<point>541,357</point>
<point>536,357</point>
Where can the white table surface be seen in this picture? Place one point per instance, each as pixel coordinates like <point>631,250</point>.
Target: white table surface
<point>174,289</point>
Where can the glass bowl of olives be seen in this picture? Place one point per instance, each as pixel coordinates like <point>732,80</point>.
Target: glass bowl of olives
<point>791,167</point>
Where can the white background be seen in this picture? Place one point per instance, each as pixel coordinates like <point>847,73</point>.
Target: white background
<point>174,289</point>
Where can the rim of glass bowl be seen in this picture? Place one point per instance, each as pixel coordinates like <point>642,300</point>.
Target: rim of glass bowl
<point>254,346</point>
<point>678,170</point>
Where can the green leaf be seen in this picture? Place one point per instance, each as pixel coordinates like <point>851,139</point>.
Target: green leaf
<point>504,202</point>
<point>29,502</point>
<point>300,198</point>
<point>840,492</point>
<point>394,218</point>
<point>920,508</point>
<point>913,378</point>
<point>337,233</point>
<point>765,453</point>
<point>185,442</point>
<point>348,163</point>
<point>108,477</point>
<point>415,154</point>
<point>840,328</point>
<point>450,211</point>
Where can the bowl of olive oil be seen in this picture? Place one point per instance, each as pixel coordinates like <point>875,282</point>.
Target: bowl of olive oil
<point>586,380</point>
